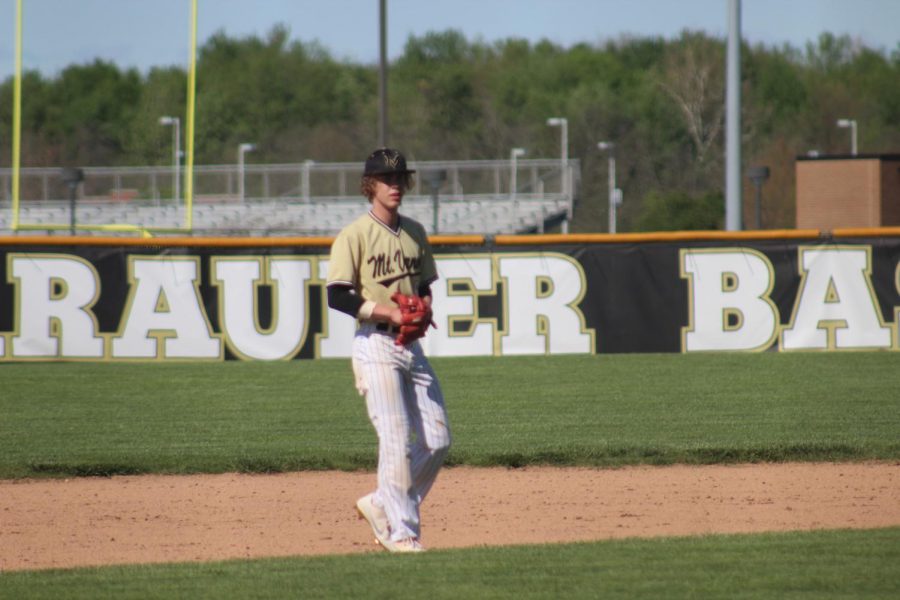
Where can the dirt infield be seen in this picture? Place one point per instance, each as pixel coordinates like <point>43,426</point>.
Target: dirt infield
<point>82,522</point>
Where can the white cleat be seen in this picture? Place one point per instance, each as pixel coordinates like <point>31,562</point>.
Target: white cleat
<point>406,545</point>
<point>376,518</point>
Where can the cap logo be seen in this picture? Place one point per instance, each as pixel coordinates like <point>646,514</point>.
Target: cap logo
<point>391,161</point>
<point>386,160</point>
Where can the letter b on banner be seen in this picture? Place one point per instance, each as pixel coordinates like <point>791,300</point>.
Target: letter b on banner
<point>729,304</point>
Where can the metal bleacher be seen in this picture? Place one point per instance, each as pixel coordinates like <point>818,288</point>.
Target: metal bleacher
<point>306,199</point>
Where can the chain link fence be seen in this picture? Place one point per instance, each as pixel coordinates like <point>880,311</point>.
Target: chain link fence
<point>286,199</point>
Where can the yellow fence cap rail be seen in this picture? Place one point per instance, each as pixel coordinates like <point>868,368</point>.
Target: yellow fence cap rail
<point>661,236</point>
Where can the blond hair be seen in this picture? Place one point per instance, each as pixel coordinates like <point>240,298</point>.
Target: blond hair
<point>367,184</point>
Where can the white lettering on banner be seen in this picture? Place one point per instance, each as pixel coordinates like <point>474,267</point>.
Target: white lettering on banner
<point>541,312</point>
<point>336,339</point>
<point>460,331</point>
<point>728,300</point>
<point>538,296</point>
<point>54,295</point>
<point>836,307</point>
<point>238,280</point>
<point>164,305</point>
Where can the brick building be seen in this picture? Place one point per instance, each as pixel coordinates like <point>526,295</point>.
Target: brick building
<point>848,191</point>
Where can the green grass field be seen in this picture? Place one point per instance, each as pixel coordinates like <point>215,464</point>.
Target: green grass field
<point>96,418</point>
<point>63,419</point>
<point>821,565</point>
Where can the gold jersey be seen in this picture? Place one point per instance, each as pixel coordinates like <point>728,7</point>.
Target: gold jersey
<point>377,261</point>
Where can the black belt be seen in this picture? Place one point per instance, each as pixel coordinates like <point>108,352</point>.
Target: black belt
<point>387,327</point>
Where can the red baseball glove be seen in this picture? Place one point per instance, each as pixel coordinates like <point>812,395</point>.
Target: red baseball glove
<point>417,318</point>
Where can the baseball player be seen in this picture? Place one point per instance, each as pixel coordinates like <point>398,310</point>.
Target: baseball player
<point>380,272</point>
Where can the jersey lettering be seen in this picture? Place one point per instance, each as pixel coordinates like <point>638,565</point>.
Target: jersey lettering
<point>408,265</point>
<point>382,266</point>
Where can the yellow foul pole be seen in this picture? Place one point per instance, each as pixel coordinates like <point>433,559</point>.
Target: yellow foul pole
<point>17,119</point>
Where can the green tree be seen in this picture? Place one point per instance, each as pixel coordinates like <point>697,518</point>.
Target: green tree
<point>677,211</point>
<point>164,94</point>
<point>35,145</point>
<point>89,113</point>
<point>272,92</point>
<point>659,101</point>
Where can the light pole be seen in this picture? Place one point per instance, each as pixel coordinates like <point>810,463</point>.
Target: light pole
<point>382,74</point>
<point>435,180</point>
<point>243,149</point>
<point>305,183</point>
<point>851,123</point>
<point>733,200</point>
<point>514,154</point>
<point>611,171</point>
<point>72,177</point>
<point>563,124</point>
<point>176,150</point>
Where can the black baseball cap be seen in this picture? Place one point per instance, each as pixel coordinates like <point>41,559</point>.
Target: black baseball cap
<point>385,161</point>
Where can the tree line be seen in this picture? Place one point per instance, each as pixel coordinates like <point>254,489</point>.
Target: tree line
<point>661,102</point>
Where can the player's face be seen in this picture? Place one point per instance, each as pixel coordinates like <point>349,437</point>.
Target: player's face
<point>389,190</point>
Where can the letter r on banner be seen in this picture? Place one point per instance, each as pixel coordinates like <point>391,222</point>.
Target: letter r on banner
<point>54,294</point>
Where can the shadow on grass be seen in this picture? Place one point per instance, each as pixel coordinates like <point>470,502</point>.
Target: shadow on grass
<point>84,469</point>
<point>625,456</point>
<point>612,457</point>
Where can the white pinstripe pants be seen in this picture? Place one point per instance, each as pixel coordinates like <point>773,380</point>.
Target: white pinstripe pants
<point>406,408</point>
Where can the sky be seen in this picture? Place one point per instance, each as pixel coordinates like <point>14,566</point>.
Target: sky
<point>148,33</point>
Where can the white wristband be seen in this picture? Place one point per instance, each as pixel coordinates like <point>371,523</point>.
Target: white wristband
<point>366,310</point>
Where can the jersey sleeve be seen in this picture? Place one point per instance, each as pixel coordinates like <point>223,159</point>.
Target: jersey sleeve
<point>343,264</point>
<point>344,299</point>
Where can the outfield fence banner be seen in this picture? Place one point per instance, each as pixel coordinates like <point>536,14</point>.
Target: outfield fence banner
<point>254,299</point>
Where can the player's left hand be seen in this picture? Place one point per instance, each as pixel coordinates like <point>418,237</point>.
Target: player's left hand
<point>416,318</point>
